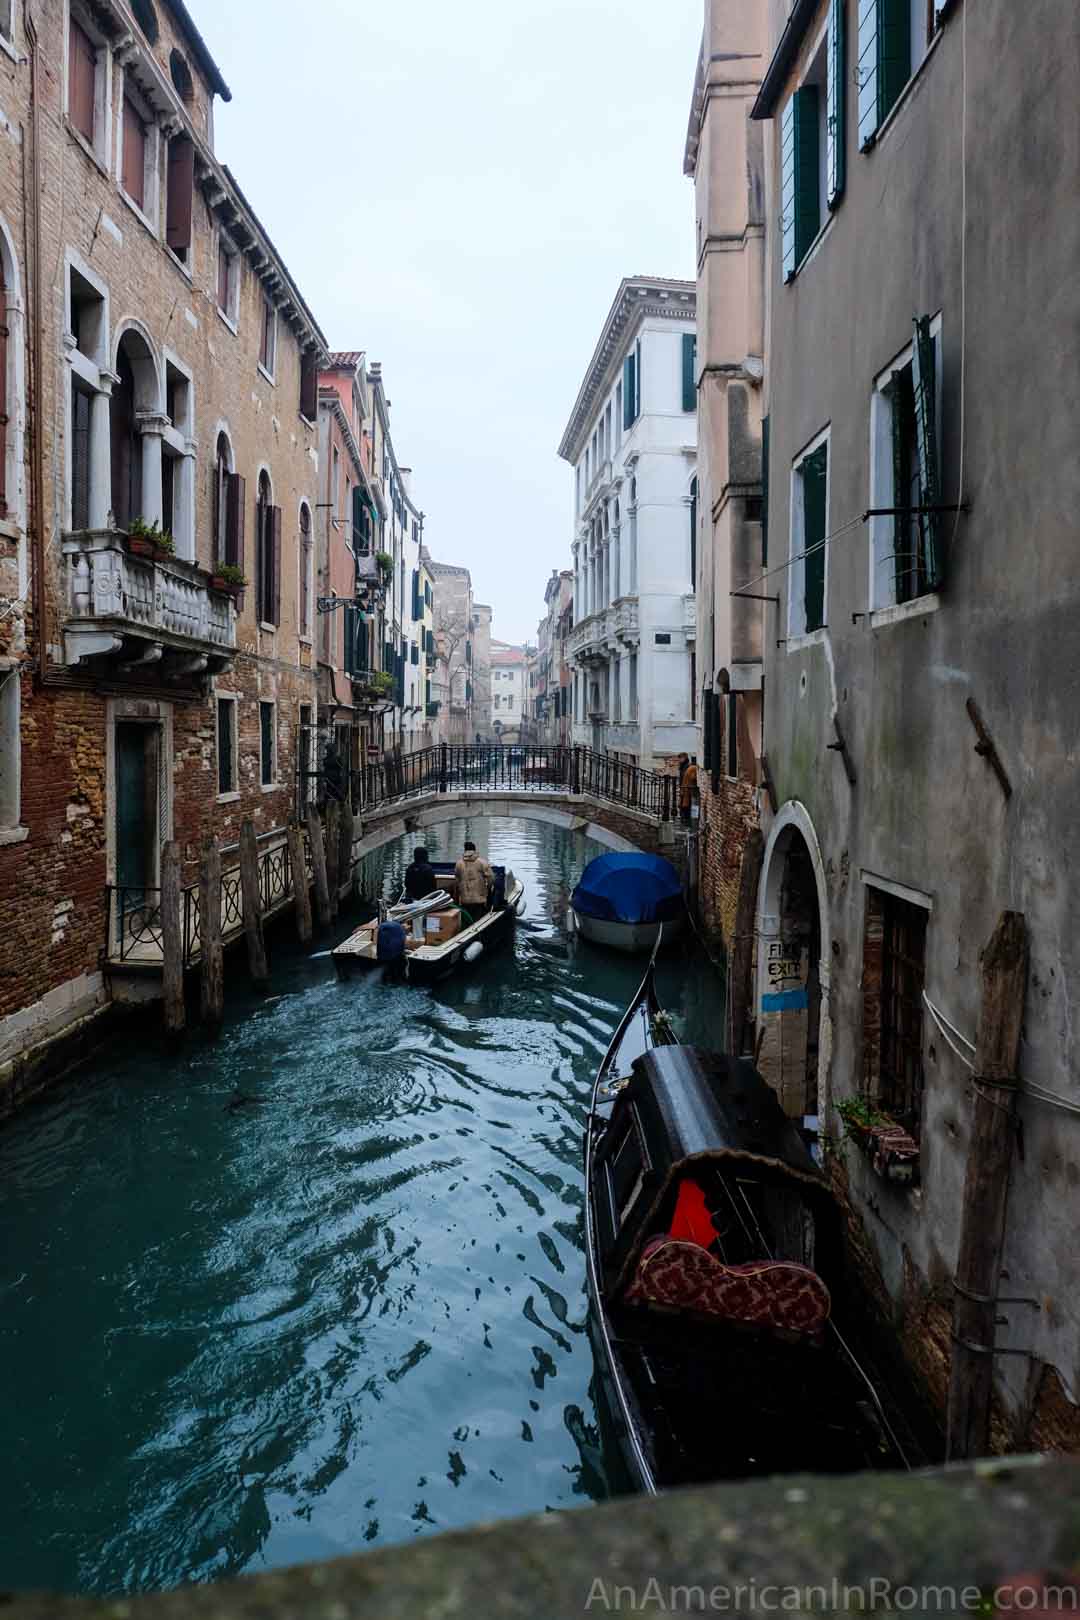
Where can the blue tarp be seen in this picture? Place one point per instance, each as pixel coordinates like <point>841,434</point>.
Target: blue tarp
<point>629,889</point>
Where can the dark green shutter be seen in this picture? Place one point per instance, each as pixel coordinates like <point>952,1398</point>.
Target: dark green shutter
<point>361,644</point>
<point>628,392</point>
<point>693,534</point>
<point>814,485</point>
<point>894,53</point>
<point>787,189</point>
<point>689,371</point>
<point>359,520</point>
<point>807,169</point>
<point>417,604</point>
<point>765,492</point>
<point>637,380</point>
<point>924,387</point>
<point>836,110</point>
<point>868,72</point>
<point>903,527</point>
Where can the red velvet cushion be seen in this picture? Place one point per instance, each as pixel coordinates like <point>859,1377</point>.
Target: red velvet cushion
<point>767,1293</point>
<point>692,1222</point>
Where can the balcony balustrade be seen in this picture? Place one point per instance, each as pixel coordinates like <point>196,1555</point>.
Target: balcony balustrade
<point>127,611</point>
<point>605,632</point>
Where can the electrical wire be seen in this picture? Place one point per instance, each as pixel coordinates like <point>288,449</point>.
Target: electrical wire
<point>819,545</point>
<point>1030,1088</point>
<point>948,1031</point>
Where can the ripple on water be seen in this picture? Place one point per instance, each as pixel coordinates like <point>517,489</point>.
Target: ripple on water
<point>351,1312</point>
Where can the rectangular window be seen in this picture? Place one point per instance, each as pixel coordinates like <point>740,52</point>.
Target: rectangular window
<point>80,457</point>
<point>894,972</point>
<point>630,387</point>
<point>134,157</point>
<point>226,744</point>
<point>179,196</point>
<point>228,280</point>
<point>894,36</point>
<point>82,81</point>
<point>267,745</point>
<point>809,528</point>
<point>689,371</point>
<point>5,19</point>
<point>10,750</point>
<point>309,385</point>
<point>269,565</point>
<point>268,337</point>
<point>800,176</point>
<point>905,476</point>
<point>633,686</point>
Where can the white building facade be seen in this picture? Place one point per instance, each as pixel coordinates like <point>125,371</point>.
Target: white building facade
<point>509,691</point>
<point>632,442</point>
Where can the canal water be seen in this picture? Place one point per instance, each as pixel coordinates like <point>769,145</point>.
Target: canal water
<point>349,1312</point>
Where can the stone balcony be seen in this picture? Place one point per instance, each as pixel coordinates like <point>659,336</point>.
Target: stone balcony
<point>128,612</point>
<point>605,632</point>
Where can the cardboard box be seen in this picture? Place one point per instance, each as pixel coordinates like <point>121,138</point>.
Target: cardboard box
<point>442,925</point>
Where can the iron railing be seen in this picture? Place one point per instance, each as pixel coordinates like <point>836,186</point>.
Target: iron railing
<point>514,768</point>
<point>133,915</point>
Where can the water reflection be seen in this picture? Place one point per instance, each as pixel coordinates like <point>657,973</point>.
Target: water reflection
<point>351,1313</point>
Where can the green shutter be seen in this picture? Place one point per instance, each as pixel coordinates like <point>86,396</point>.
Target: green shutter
<point>924,387</point>
<point>807,169</point>
<point>637,379</point>
<point>894,53</point>
<point>765,492</point>
<point>628,392</point>
<point>689,371</point>
<point>787,189</point>
<point>868,72</point>
<point>814,472</point>
<point>836,121</point>
<point>900,406</point>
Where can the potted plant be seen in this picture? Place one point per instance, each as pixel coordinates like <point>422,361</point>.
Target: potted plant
<point>892,1150</point>
<point>228,578</point>
<point>375,686</point>
<point>150,539</point>
<point>385,562</point>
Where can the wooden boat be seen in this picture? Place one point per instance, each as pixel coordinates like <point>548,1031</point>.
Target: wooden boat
<point>624,901</point>
<point>428,958</point>
<point>713,1254</point>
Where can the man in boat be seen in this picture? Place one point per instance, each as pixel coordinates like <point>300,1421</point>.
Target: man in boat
<point>420,879</point>
<point>475,880</point>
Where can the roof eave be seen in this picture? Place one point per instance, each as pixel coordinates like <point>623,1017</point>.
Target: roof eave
<point>784,58</point>
<point>201,49</point>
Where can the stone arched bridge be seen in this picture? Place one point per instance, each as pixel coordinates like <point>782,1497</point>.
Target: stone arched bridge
<point>619,805</point>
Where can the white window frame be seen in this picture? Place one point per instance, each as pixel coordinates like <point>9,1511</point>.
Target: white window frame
<point>230,316</point>
<point>150,209</point>
<point>798,635</point>
<point>884,608</point>
<point>231,795</point>
<point>270,371</point>
<point>306,636</point>
<point>11,829</point>
<point>99,149</point>
<point>273,784</point>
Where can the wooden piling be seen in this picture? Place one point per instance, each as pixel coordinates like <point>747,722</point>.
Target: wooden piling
<point>253,922</point>
<point>348,833</point>
<point>172,939</point>
<point>212,977</point>
<point>1003,966</point>
<point>333,855</point>
<point>318,866</point>
<point>301,891</point>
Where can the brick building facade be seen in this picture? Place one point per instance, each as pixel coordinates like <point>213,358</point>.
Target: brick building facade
<point>161,464</point>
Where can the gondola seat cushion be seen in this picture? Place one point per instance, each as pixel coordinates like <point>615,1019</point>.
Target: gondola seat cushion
<point>773,1294</point>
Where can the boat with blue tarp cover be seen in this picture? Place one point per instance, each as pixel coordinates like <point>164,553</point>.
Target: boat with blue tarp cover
<point>623,900</point>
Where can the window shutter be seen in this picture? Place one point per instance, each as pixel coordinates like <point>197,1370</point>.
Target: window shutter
<point>787,189</point>
<point>924,386</point>
<point>359,515</point>
<point>134,165</point>
<point>309,386</point>
<point>82,76</point>
<point>417,605</point>
<point>275,564</point>
<point>765,492</point>
<point>807,170</point>
<point>836,110</point>
<point>689,371</point>
<point>235,511</point>
<point>814,486</point>
<point>706,733</point>
<point>894,53</point>
<point>637,380</point>
<point>628,392</point>
<point>868,72</point>
<point>181,189</point>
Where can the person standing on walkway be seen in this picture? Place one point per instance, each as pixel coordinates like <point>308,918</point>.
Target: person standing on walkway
<point>475,881</point>
<point>688,788</point>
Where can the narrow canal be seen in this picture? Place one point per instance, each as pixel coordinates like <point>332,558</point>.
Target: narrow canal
<point>348,1313</point>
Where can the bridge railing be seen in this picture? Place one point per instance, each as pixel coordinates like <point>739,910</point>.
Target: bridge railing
<point>519,768</point>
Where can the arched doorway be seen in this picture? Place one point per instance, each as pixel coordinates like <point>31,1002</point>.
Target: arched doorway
<point>135,391</point>
<point>793,977</point>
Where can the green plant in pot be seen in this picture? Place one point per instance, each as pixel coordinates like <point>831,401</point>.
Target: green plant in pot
<point>385,562</point>
<point>227,577</point>
<point>150,539</point>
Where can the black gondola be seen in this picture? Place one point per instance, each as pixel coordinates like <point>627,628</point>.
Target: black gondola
<point>713,1251</point>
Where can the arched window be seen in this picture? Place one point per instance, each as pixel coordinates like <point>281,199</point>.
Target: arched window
<point>181,77</point>
<point>305,569</point>
<point>146,17</point>
<point>219,503</point>
<point>267,553</point>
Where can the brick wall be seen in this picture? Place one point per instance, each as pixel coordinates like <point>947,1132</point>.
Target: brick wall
<point>728,818</point>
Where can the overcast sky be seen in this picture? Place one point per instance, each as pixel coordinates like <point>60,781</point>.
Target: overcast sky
<point>458,190</point>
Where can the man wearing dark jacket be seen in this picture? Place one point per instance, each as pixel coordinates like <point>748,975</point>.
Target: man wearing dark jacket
<point>420,879</point>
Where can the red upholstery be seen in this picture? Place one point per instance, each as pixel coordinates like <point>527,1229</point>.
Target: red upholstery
<point>692,1222</point>
<point>768,1293</point>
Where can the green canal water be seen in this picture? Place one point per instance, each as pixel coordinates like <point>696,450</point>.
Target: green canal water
<point>348,1314</point>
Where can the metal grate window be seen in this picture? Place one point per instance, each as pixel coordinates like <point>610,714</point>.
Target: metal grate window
<point>894,973</point>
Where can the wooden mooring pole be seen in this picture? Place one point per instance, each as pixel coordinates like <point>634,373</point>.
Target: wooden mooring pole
<point>333,855</point>
<point>348,833</point>
<point>253,920</point>
<point>1003,966</point>
<point>212,979</point>
<point>301,891</point>
<point>172,939</point>
<point>318,867</point>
